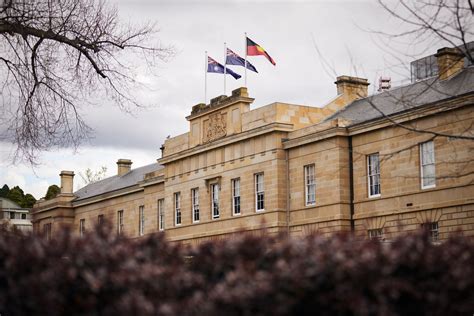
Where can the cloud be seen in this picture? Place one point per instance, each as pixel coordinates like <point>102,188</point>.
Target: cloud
<point>286,29</point>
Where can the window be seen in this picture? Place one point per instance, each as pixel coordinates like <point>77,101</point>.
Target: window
<point>141,220</point>
<point>177,208</point>
<point>259,193</point>
<point>215,200</point>
<point>12,215</point>
<point>100,219</point>
<point>375,234</point>
<point>310,185</point>
<point>433,229</point>
<point>82,227</point>
<point>120,222</point>
<point>373,170</point>
<point>23,216</point>
<point>235,184</point>
<point>47,231</point>
<point>161,214</point>
<point>427,164</point>
<point>195,204</point>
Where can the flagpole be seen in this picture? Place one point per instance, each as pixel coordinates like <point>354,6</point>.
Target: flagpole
<point>205,78</point>
<point>245,68</point>
<point>225,64</point>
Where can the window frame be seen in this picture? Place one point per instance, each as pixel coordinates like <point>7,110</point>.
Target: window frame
<point>257,192</point>
<point>433,229</point>
<point>178,217</point>
<point>120,225</point>
<point>371,176</point>
<point>141,220</point>
<point>82,227</point>
<point>236,199</point>
<point>307,185</point>
<point>100,219</point>
<point>215,200</point>
<point>422,165</point>
<point>375,234</point>
<point>195,205</point>
<point>47,228</point>
<point>161,214</point>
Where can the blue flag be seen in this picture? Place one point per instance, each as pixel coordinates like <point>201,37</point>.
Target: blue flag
<point>214,66</point>
<point>234,59</point>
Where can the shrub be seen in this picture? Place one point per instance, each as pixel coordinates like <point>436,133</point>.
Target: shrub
<point>105,274</point>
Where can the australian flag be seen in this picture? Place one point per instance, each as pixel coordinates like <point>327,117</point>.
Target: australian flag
<point>214,66</point>
<point>234,59</point>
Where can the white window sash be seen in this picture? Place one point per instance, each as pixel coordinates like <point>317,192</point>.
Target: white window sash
<point>427,165</point>
<point>259,192</point>
<point>215,201</point>
<point>235,195</point>
<point>373,175</point>
<point>195,205</point>
<point>141,220</point>
<point>177,209</point>
<point>161,215</point>
<point>310,185</point>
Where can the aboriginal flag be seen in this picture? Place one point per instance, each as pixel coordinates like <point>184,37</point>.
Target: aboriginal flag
<point>253,49</point>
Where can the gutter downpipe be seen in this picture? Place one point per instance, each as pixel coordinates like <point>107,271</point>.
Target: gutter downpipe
<point>351,184</point>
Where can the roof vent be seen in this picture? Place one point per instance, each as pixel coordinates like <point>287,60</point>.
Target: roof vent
<point>385,83</point>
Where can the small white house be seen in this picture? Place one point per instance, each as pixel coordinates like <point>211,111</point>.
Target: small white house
<point>14,215</point>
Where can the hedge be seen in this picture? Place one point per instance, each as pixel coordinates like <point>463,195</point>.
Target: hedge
<point>104,274</point>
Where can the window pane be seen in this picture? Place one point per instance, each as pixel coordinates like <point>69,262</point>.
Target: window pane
<point>236,196</point>
<point>259,192</point>
<point>177,203</point>
<point>373,169</point>
<point>215,200</point>
<point>161,215</point>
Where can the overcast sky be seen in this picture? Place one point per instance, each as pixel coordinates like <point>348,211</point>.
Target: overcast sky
<point>288,30</point>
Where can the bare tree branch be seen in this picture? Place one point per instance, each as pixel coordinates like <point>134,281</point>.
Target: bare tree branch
<point>57,56</point>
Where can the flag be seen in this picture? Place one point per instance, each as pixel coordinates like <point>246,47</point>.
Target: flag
<point>253,49</point>
<point>214,66</point>
<point>234,59</point>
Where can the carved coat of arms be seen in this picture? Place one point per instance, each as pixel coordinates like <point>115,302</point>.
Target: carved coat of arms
<point>216,127</point>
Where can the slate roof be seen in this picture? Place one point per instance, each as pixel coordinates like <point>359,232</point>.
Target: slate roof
<point>116,182</point>
<point>407,97</point>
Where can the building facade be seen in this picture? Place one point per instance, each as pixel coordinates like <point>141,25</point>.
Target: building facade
<point>15,216</point>
<point>379,166</point>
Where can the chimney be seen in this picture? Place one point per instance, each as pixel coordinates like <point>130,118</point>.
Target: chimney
<point>450,61</point>
<point>352,87</point>
<point>66,181</point>
<point>123,166</point>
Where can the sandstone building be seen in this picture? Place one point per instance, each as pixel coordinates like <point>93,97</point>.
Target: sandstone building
<point>377,165</point>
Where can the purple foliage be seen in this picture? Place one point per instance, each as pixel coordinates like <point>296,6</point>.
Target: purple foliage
<point>105,274</point>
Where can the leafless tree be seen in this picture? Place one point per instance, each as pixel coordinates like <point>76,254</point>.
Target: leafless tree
<point>427,24</point>
<point>89,176</point>
<point>56,56</point>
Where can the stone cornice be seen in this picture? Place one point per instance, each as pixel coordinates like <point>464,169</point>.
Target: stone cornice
<point>108,195</point>
<point>314,137</point>
<point>271,127</point>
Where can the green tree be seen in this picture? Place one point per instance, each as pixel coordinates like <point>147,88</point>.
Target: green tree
<point>16,195</point>
<point>28,201</point>
<point>52,192</point>
<point>4,191</point>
